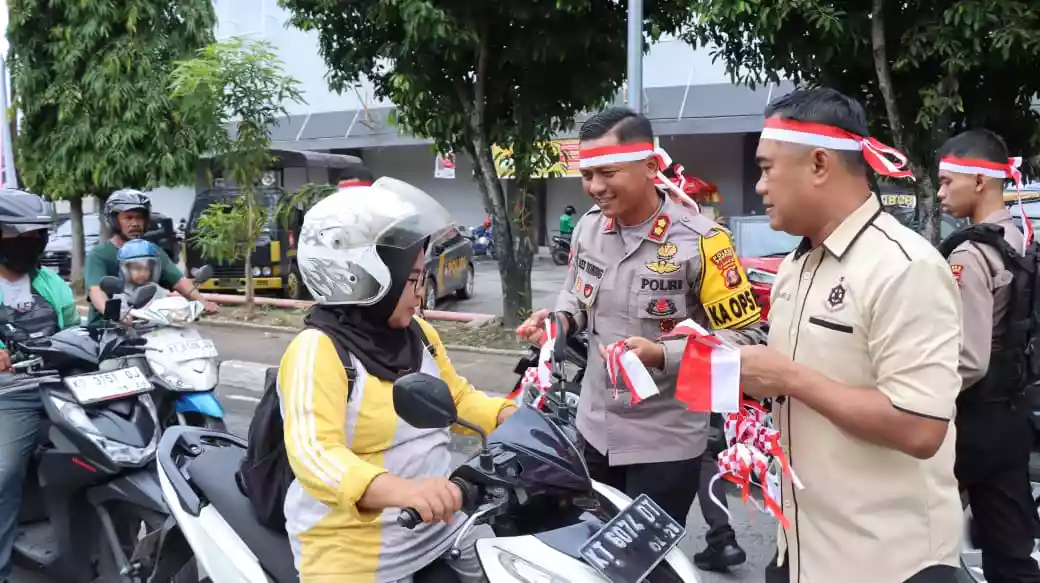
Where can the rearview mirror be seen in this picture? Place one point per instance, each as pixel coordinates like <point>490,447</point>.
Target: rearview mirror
<point>424,401</point>
<point>111,286</point>
<point>113,309</point>
<point>142,295</point>
<point>204,274</point>
<point>561,336</point>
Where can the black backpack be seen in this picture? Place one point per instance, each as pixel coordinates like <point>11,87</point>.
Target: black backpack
<point>1014,371</point>
<point>265,474</point>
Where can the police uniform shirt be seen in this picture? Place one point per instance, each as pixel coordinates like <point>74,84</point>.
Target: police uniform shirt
<point>874,306</point>
<point>627,283</point>
<point>986,292</point>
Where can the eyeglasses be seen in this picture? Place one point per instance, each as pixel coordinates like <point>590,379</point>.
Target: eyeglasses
<point>418,281</point>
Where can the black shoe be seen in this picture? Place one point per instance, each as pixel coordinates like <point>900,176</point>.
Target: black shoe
<point>719,558</point>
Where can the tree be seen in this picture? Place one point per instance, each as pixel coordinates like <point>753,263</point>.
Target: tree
<point>471,74</point>
<point>923,70</point>
<point>238,84</point>
<point>90,80</point>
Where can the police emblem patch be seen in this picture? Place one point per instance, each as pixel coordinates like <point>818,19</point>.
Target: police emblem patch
<point>587,290</point>
<point>726,262</point>
<point>661,307</point>
<point>836,297</point>
<point>665,255</point>
<point>667,325</point>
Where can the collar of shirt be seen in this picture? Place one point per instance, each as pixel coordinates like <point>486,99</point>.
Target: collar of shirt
<point>839,241</point>
<point>998,217</point>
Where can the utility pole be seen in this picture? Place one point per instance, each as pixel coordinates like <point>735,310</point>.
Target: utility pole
<point>635,55</point>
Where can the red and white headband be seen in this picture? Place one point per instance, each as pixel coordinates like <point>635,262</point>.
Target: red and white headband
<point>635,152</point>
<point>1008,170</point>
<point>885,160</point>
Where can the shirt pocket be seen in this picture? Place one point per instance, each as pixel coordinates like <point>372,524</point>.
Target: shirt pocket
<point>657,311</point>
<point>836,346</point>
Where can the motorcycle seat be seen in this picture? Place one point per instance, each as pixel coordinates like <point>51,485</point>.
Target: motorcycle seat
<point>213,473</point>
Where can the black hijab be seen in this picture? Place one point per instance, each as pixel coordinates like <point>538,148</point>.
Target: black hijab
<point>387,353</point>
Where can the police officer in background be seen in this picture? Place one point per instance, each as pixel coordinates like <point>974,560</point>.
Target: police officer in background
<point>994,433</point>
<point>642,263</point>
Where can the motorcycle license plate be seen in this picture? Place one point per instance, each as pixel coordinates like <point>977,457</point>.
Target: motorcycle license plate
<point>195,349</point>
<point>633,542</point>
<point>103,386</point>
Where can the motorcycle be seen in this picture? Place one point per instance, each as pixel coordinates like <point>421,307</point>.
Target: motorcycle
<point>182,364</point>
<point>483,241</point>
<point>561,249</point>
<point>92,506</point>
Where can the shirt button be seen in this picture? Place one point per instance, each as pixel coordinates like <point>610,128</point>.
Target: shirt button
<point>787,503</point>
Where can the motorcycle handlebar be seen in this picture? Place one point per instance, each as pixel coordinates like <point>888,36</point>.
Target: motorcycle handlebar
<point>410,517</point>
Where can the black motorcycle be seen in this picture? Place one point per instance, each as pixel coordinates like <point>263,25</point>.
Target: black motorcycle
<point>92,506</point>
<point>561,249</point>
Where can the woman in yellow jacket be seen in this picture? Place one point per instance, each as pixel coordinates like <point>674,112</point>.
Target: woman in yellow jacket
<point>361,255</point>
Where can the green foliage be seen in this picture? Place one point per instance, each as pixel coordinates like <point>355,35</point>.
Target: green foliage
<point>90,80</point>
<point>239,84</point>
<point>301,200</point>
<point>222,230</point>
<point>470,74</point>
<point>955,64</point>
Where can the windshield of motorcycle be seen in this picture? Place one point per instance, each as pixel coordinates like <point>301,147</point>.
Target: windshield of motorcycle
<point>548,457</point>
<point>172,310</point>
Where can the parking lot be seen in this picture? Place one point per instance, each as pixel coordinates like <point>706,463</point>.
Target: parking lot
<point>546,281</point>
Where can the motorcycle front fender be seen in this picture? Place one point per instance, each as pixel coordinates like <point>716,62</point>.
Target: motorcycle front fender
<point>205,403</point>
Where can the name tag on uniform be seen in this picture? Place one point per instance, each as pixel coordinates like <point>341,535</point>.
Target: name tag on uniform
<point>588,275</point>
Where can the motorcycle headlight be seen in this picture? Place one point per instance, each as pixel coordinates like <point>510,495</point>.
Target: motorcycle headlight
<point>518,567</point>
<point>175,316</point>
<point>119,453</point>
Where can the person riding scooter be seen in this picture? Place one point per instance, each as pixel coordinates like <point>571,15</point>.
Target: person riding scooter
<point>34,301</point>
<point>361,255</point>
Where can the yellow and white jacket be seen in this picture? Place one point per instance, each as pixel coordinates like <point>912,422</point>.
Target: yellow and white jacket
<point>336,447</point>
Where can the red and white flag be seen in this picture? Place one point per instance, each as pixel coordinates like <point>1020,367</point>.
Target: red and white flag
<point>709,373</point>
<point>625,367</point>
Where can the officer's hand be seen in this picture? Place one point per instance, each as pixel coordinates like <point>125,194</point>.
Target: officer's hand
<point>436,499</point>
<point>650,353</point>
<point>533,328</point>
<point>5,361</point>
<point>764,371</point>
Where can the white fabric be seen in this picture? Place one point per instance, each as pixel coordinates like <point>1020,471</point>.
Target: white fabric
<point>17,294</point>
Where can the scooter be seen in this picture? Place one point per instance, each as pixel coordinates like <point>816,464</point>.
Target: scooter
<point>182,364</point>
<point>92,506</point>
<point>561,249</point>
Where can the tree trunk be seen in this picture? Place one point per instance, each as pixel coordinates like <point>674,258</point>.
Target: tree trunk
<point>76,216</point>
<point>924,186</point>
<point>250,245</point>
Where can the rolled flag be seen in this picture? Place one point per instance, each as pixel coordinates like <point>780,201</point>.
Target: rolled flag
<point>539,376</point>
<point>623,367</point>
<point>709,373</point>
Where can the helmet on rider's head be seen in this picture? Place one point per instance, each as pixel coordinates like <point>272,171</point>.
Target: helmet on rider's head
<point>569,210</point>
<point>359,242</point>
<point>24,222</point>
<point>120,201</point>
<point>139,263</point>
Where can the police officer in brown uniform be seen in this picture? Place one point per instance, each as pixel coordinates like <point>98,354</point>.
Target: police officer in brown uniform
<point>994,433</point>
<point>640,264</point>
<point>862,359</point>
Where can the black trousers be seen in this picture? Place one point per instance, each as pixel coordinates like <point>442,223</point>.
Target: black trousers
<point>719,532</point>
<point>673,485</point>
<point>934,574</point>
<point>993,445</point>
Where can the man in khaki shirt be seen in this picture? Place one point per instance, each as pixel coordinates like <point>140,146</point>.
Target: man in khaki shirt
<point>862,359</point>
<point>994,432</point>
<point>640,264</point>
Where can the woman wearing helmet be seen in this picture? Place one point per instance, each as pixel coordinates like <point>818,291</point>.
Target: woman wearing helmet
<point>362,258</point>
<point>35,301</point>
<point>127,213</point>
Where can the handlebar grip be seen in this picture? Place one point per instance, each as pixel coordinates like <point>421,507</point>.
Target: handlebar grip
<point>409,518</point>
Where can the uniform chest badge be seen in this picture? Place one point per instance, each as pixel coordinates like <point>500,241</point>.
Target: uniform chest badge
<point>836,297</point>
<point>726,262</point>
<point>587,290</point>
<point>659,228</point>
<point>661,307</point>
<point>577,284</point>
<point>665,259</point>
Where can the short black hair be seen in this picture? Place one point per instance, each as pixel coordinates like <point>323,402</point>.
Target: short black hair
<point>356,173</point>
<point>627,125</point>
<point>826,106</point>
<point>977,144</point>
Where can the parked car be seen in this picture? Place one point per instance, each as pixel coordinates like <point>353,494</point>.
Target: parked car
<point>946,227</point>
<point>761,250</point>
<point>58,254</point>
<point>449,268</point>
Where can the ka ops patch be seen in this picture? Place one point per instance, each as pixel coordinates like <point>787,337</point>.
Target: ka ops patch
<point>725,290</point>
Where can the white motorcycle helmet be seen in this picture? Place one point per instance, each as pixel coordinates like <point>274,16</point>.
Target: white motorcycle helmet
<point>337,252</point>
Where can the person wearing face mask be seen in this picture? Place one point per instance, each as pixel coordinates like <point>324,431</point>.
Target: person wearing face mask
<point>35,302</point>
<point>361,255</point>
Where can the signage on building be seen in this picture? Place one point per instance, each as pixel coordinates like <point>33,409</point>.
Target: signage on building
<point>444,166</point>
<point>899,200</point>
